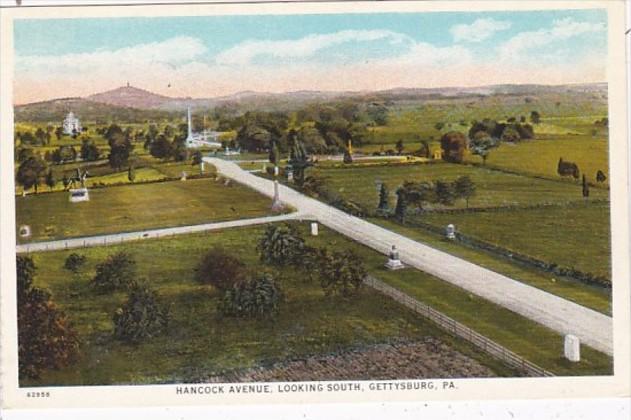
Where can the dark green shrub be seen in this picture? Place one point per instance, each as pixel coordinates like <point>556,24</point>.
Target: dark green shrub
<point>259,297</point>
<point>281,245</point>
<point>341,273</point>
<point>141,317</point>
<point>220,269</point>
<point>115,273</point>
<point>74,262</point>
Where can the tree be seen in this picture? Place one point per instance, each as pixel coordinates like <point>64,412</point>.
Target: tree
<point>259,297</point>
<point>454,145</point>
<point>418,193</point>
<point>59,132</point>
<point>197,158</point>
<point>445,193</point>
<point>117,272</point>
<point>401,206</point>
<point>220,269</point>
<point>535,117</point>
<point>120,147</point>
<point>439,126</point>
<point>40,135</point>
<point>341,273</point>
<point>49,133</point>
<point>600,176</point>
<point>74,262</point>
<point>30,173</point>
<point>161,148</point>
<point>50,179</point>
<point>141,317</point>
<point>585,188</point>
<point>566,168</point>
<point>89,151</point>
<point>383,205</point>
<point>46,338</point>
<point>481,144</point>
<point>298,160</point>
<point>131,173</point>
<point>281,245</point>
<point>464,188</point>
<point>399,146</point>
<point>510,135</point>
<point>274,154</point>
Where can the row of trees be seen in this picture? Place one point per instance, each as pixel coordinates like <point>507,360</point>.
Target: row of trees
<point>43,136</point>
<point>419,194</point>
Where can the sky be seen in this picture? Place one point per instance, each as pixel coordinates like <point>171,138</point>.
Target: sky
<point>207,56</point>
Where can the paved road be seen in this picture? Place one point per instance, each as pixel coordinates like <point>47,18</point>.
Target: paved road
<point>593,328</point>
<point>147,234</point>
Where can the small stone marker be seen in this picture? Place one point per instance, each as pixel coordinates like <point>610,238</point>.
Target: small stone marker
<point>572,348</point>
<point>290,175</point>
<point>183,177</point>
<point>265,168</point>
<point>314,228</point>
<point>450,231</point>
<point>276,171</point>
<point>394,263</point>
<point>201,166</point>
<point>25,231</point>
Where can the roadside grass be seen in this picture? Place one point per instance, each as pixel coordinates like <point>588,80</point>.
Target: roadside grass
<point>199,342</point>
<point>494,188</point>
<point>137,207</point>
<point>575,236</point>
<point>592,297</point>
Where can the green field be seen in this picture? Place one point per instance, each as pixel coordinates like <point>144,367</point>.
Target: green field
<point>137,207</point>
<point>199,342</point>
<point>592,297</point>
<point>574,236</point>
<point>540,157</point>
<point>494,188</point>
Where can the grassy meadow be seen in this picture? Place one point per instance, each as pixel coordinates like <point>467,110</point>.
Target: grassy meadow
<point>137,207</point>
<point>494,188</point>
<point>575,236</point>
<point>200,343</point>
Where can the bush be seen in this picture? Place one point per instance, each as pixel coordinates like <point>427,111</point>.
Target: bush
<point>453,144</point>
<point>281,245</point>
<point>115,273</point>
<point>74,262</point>
<point>141,317</point>
<point>46,339</point>
<point>256,298</point>
<point>341,273</point>
<point>220,269</point>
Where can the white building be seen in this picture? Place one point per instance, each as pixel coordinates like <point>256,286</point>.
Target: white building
<point>72,124</point>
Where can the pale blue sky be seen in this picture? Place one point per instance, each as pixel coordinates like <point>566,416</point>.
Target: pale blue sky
<point>359,46</point>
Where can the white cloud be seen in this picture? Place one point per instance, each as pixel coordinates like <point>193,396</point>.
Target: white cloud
<point>562,29</point>
<point>245,52</point>
<point>170,52</point>
<point>479,30</point>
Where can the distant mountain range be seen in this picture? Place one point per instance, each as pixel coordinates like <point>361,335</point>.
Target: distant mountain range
<point>134,103</point>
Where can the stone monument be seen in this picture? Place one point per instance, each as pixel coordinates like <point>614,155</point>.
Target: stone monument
<point>276,171</point>
<point>314,228</point>
<point>277,205</point>
<point>572,348</point>
<point>183,177</point>
<point>78,195</point>
<point>450,231</point>
<point>394,263</point>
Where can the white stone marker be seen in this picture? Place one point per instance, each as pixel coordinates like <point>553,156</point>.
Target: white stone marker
<point>314,228</point>
<point>572,348</point>
<point>276,171</point>
<point>450,231</point>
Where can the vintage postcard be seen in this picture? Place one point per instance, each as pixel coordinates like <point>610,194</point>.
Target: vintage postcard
<point>313,202</point>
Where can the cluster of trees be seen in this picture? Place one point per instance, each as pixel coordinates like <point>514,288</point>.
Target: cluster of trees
<point>339,272</point>
<point>168,144</point>
<point>243,294</point>
<point>141,316</point>
<point>33,171</point>
<point>121,146</point>
<point>418,194</point>
<point>46,337</point>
